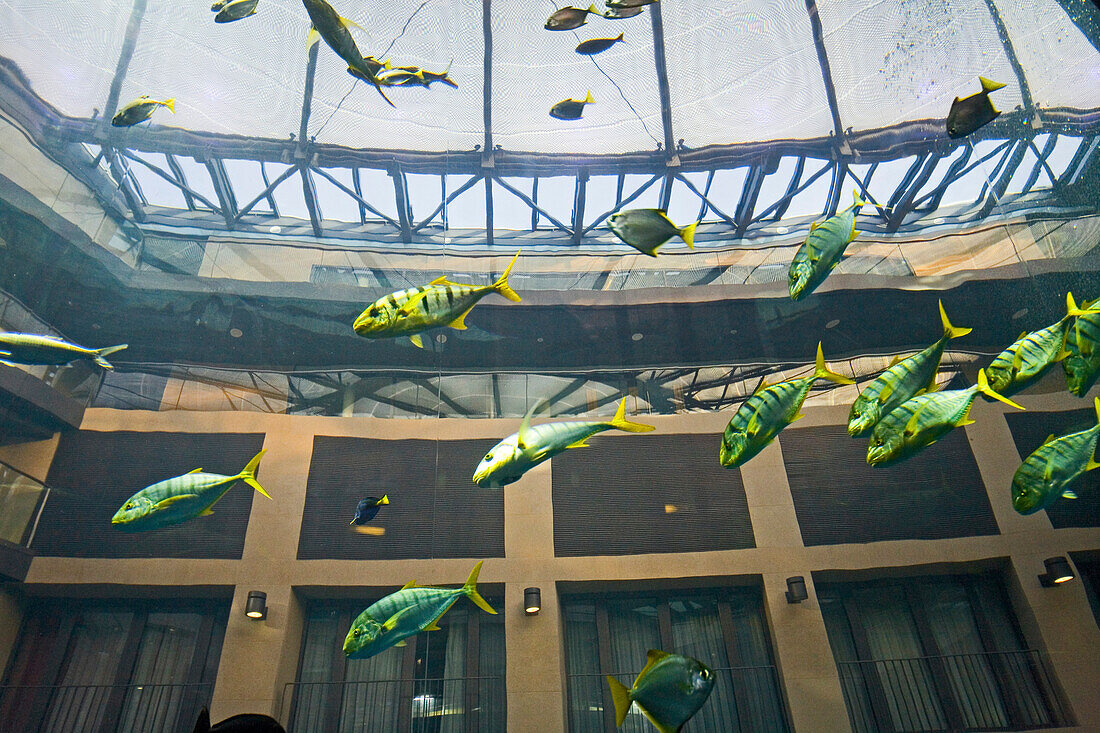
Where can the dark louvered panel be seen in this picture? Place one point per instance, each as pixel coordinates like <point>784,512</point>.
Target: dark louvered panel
<point>435,508</point>
<point>838,498</point>
<point>93,474</point>
<point>1029,430</point>
<point>647,493</point>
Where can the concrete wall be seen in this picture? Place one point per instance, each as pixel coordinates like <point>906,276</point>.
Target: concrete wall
<point>258,658</point>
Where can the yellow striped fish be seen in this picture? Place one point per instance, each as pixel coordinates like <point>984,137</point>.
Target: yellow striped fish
<point>1022,363</point>
<point>1082,365</point>
<point>822,250</point>
<point>439,303</point>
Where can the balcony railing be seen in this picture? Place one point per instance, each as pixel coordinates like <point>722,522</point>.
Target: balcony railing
<point>992,691</point>
<point>155,708</point>
<point>451,705</point>
<point>744,700</point>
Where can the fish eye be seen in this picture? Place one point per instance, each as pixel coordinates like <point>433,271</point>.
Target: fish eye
<point>129,505</point>
<point>373,311</point>
<point>488,457</point>
<point>356,633</point>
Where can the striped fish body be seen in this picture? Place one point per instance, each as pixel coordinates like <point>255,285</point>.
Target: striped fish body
<point>30,348</point>
<point>419,608</point>
<point>821,252</point>
<point>1027,359</point>
<point>894,387</point>
<point>1044,476</point>
<point>918,423</point>
<point>760,418</point>
<point>194,493</point>
<point>508,462</point>
<point>411,311</point>
<point>1082,365</point>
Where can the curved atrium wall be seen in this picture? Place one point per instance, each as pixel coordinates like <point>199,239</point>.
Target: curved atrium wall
<point>232,244</point>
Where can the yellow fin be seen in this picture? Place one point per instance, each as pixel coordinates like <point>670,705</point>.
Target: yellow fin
<point>822,372</point>
<point>312,38</point>
<point>407,307</point>
<point>688,235</point>
<point>990,86</point>
<point>470,589</point>
<point>391,623</point>
<point>894,361</point>
<point>442,279</point>
<point>173,499</point>
<point>402,643</point>
<point>434,626</point>
<point>206,512</point>
<point>579,444</point>
<point>951,331</point>
<point>885,393</point>
<point>501,285</point>
<point>345,22</point>
<point>754,425</point>
<point>1069,494</point>
<point>384,500</point>
<point>197,470</point>
<point>410,584</point>
<point>984,388</point>
<point>619,422</point>
<point>652,657</point>
<point>620,695</point>
<point>814,225</point>
<point>1091,465</point>
<point>415,338</point>
<point>1049,438</point>
<point>460,322</point>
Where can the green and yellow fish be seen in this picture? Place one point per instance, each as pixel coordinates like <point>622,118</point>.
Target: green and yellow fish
<point>647,229</point>
<point>822,250</point>
<point>140,110</point>
<point>770,409</point>
<point>919,422</point>
<point>669,691</point>
<point>519,452</point>
<point>181,498</point>
<point>439,303</point>
<point>335,30</point>
<point>391,620</point>
<point>903,379</point>
<point>34,348</point>
<point>1027,359</point>
<point>1082,362</point>
<point>1045,474</point>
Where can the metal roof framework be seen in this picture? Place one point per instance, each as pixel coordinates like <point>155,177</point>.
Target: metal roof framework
<point>119,164</point>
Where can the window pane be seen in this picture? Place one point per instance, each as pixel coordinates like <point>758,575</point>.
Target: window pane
<point>582,665</point>
<point>697,633</point>
<point>165,654</point>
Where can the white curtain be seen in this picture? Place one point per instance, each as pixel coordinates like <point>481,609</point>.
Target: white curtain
<point>164,658</point>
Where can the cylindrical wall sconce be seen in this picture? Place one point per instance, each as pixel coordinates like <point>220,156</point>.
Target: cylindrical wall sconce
<point>1058,571</point>
<point>796,589</point>
<point>532,601</point>
<point>256,605</point>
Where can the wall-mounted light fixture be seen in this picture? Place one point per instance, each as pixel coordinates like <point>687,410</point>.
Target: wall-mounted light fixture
<point>1058,571</point>
<point>532,601</point>
<point>796,589</point>
<point>256,605</point>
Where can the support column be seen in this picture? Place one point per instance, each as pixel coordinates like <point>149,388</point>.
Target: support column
<point>259,657</point>
<point>803,656</point>
<point>536,664</point>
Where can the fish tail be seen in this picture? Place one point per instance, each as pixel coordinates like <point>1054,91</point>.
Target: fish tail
<point>620,694</point>
<point>688,235</point>
<point>984,388</point>
<point>470,589</point>
<point>501,285</point>
<point>619,422</point>
<point>248,473</point>
<point>588,97</point>
<point>171,105</point>
<point>950,331</point>
<point>857,202</point>
<point>620,38</point>
<point>990,86</point>
<point>100,353</point>
<point>384,500</point>
<point>823,372</point>
<point>1072,309</point>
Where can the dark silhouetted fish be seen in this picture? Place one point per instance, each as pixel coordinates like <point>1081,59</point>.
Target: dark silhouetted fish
<point>624,4</point>
<point>244,723</point>
<point>621,13</point>
<point>570,109</point>
<point>566,19</point>
<point>368,508</point>
<point>328,24</point>
<point>597,45</point>
<point>967,115</point>
<point>236,10</point>
<point>140,110</point>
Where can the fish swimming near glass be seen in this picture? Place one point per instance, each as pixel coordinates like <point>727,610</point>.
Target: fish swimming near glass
<point>37,349</point>
<point>243,723</point>
<point>822,250</point>
<point>1046,474</point>
<point>919,422</point>
<point>1082,362</point>
<point>647,229</point>
<point>236,10</point>
<point>669,691</point>
<point>571,109</point>
<point>334,30</point>
<point>512,457</point>
<point>391,620</point>
<point>622,13</point>
<point>181,498</point>
<point>140,110</point>
<point>368,508</point>
<point>974,112</point>
<point>621,4</point>
<point>439,303</point>
<point>767,411</point>
<point>218,5</point>
<point>1027,359</point>
<point>902,380</point>
<point>597,45</point>
<point>566,19</point>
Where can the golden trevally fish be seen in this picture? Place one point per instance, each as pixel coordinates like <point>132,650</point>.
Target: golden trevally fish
<point>439,303</point>
<point>33,348</point>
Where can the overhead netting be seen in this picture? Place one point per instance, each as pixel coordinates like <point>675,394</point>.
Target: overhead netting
<point>738,70</point>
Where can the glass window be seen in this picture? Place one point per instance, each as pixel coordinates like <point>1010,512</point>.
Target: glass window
<point>113,667</point>
<point>935,653</point>
<point>446,681</point>
<point>724,629</point>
